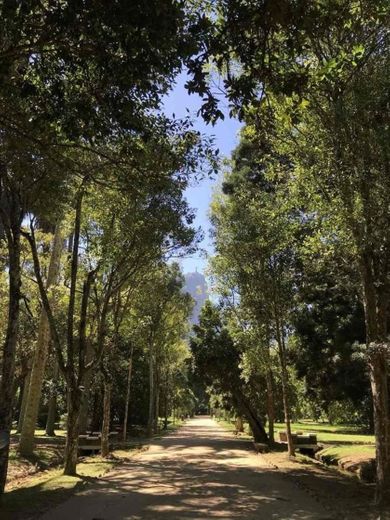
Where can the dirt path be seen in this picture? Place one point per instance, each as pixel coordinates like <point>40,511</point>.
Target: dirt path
<point>199,472</point>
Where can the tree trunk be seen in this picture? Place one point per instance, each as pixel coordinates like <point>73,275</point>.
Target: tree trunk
<point>378,351</point>
<point>96,420</point>
<point>72,433</point>
<point>151,393</point>
<point>259,433</point>
<point>166,409</point>
<point>379,386</point>
<point>26,444</point>
<point>51,416</point>
<point>84,412</point>
<point>270,406</point>
<point>284,378</point>
<point>128,390</point>
<point>24,401</point>
<point>239,424</point>
<point>19,393</point>
<point>9,348</point>
<point>156,401</point>
<point>106,419</point>
<point>286,404</point>
<point>52,406</point>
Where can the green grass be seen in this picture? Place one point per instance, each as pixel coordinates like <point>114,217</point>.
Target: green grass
<point>228,425</point>
<point>334,453</point>
<point>44,455</point>
<point>38,492</point>
<point>331,434</point>
<point>50,487</point>
<point>42,433</point>
<point>46,489</point>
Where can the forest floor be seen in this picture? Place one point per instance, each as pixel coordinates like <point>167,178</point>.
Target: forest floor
<point>202,471</point>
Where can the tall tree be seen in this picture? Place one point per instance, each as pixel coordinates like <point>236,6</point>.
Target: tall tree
<point>326,64</point>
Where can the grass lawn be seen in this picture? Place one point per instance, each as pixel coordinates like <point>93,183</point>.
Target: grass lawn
<point>42,433</point>
<point>48,488</point>
<point>39,492</point>
<point>232,428</point>
<point>43,457</point>
<point>331,434</point>
<point>35,493</point>
<point>332,454</point>
<point>339,440</point>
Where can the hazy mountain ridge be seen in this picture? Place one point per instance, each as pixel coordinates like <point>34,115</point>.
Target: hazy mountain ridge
<point>196,286</point>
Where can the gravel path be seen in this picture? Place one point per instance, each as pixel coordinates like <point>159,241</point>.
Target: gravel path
<point>199,472</point>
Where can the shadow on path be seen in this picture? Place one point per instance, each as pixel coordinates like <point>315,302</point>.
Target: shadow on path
<point>198,472</point>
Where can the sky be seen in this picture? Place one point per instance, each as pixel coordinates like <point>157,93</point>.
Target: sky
<point>199,195</point>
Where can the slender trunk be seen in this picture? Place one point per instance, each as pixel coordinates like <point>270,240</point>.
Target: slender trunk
<point>270,406</point>
<point>166,408</point>
<point>286,404</point>
<point>26,445</point>
<point>19,394</point>
<point>84,412</point>
<point>52,406</point>
<point>24,401</point>
<point>378,348</point>
<point>128,390</point>
<point>151,392</point>
<point>379,387</point>
<point>105,448</point>
<point>96,420</point>
<point>286,407</point>
<point>270,391</point>
<point>239,424</point>
<point>51,416</point>
<point>156,401</point>
<point>72,431</point>
<point>258,431</point>
<point>156,407</point>
<point>9,348</point>
<point>167,405</point>
<point>284,378</point>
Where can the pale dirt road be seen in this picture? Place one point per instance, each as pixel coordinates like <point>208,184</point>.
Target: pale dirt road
<point>198,472</point>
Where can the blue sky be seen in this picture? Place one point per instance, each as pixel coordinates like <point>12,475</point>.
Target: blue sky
<point>199,196</point>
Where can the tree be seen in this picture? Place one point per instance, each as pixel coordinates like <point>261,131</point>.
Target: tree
<point>218,362</point>
<point>319,70</point>
<point>255,229</point>
<point>329,331</point>
<point>26,444</point>
<point>74,75</point>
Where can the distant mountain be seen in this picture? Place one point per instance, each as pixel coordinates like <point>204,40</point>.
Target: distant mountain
<point>196,286</point>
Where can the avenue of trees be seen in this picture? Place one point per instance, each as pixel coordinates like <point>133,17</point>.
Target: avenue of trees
<point>302,224</point>
<point>92,175</point>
